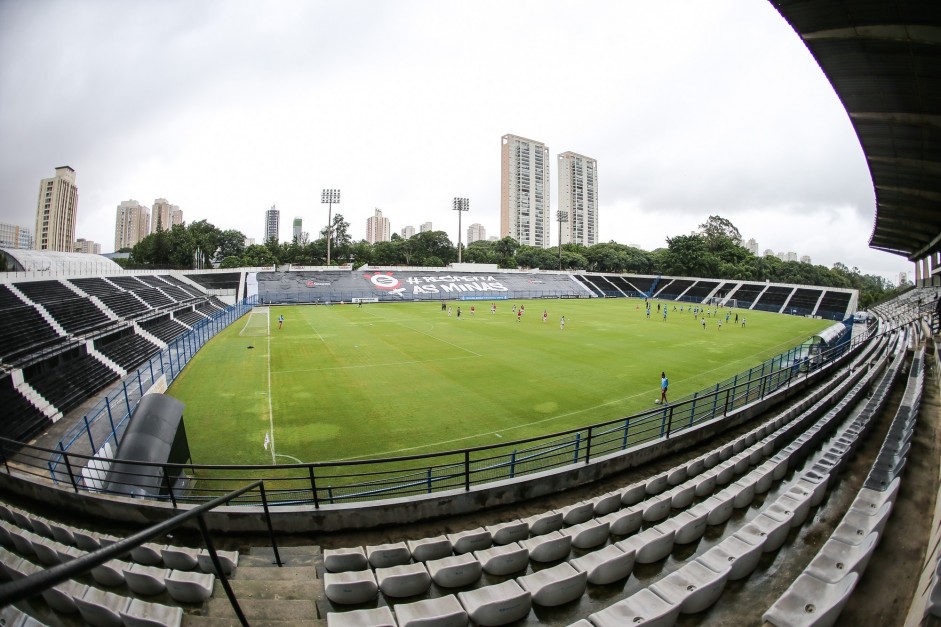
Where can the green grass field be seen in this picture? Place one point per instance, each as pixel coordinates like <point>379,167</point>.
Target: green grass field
<point>344,382</point>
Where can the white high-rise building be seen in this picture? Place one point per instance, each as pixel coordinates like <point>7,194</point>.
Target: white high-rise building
<point>15,236</point>
<point>578,198</point>
<point>524,191</point>
<point>377,228</point>
<point>131,224</point>
<point>298,231</point>
<point>56,211</point>
<point>164,215</point>
<point>476,232</point>
<point>272,223</point>
<point>805,258</point>
<point>752,246</point>
<point>426,226</point>
<point>87,246</point>
<point>408,231</point>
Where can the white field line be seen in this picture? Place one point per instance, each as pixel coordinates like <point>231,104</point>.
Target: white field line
<point>270,407</point>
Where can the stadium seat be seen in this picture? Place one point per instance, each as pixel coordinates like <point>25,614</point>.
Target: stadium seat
<point>607,503</point>
<point>734,551</point>
<point>385,555</point>
<point>143,614</point>
<point>588,534</point>
<point>677,474</point>
<point>643,607</point>
<point>770,530</point>
<point>146,580</point>
<point>651,544</point>
<point>719,507</point>
<point>444,611</point>
<point>689,525</point>
<point>658,508</point>
<point>556,585</point>
<point>189,586</point>
<point>508,532</point>
<point>456,571</point>
<point>343,560</point>
<point>427,549</point>
<point>577,513</point>
<point>350,587</point>
<point>147,554</point>
<point>499,604</point>
<point>682,496</point>
<point>605,565</point>
<point>811,601</point>
<point>111,573</point>
<point>634,493</point>
<point>624,521</point>
<point>376,617</point>
<point>743,491</point>
<point>471,540</point>
<point>179,557</point>
<point>550,547</point>
<point>656,484</point>
<point>694,587</point>
<point>541,524</point>
<point>62,597</point>
<point>504,559</point>
<point>404,580</point>
<point>102,608</point>
<point>836,558</point>
<point>228,559</point>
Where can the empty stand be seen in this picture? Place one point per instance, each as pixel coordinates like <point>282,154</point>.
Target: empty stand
<point>803,301</point>
<point>43,292</point>
<point>773,298</point>
<point>674,289</point>
<point>164,328</point>
<point>700,290</point>
<point>69,383</point>
<point>124,304</point>
<point>127,349</point>
<point>24,330</point>
<point>21,419</point>
<point>77,315</point>
<point>95,286</point>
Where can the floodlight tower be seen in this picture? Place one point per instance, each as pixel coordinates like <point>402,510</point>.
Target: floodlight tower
<point>561,216</point>
<point>460,205</point>
<point>329,197</point>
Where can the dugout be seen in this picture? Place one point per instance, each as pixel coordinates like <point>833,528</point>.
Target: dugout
<point>822,342</point>
<point>155,435</point>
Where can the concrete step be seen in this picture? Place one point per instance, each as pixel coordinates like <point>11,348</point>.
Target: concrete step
<point>290,556</point>
<point>273,573</point>
<point>294,589</point>
<point>264,611</point>
<point>214,621</point>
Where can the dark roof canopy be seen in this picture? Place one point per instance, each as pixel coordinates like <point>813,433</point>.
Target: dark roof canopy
<point>883,58</point>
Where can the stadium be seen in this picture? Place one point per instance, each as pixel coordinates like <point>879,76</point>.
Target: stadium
<point>404,446</point>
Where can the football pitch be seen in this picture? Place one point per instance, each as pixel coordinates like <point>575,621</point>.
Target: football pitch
<point>343,382</point>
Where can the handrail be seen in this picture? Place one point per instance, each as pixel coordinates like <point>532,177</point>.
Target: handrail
<point>43,580</point>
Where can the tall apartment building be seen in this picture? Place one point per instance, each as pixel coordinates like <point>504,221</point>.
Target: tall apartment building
<point>56,211</point>
<point>298,232</point>
<point>578,198</point>
<point>476,232</point>
<point>131,224</point>
<point>408,231</point>
<point>377,228</point>
<point>752,246</point>
<point>524,191</point>
<point>87,246</point>
<point>15,236</point>
<point>165,215</point>
<point>425,227</point>
<point>272,223</point>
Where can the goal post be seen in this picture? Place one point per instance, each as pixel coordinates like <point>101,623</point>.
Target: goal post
<point>256,323</point>
<point>719,301</point>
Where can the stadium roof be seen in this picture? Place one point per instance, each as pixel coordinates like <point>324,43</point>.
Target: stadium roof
<point>883,58</point>
<point>27,260</point>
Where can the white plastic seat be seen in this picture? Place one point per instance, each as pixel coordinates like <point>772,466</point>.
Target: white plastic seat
<point>504,559</point>
<point>695,586</point>
<point>386,555</point>
<point>444,611</point>
<point>624,521</point>
<point>427,549</point>
<point>555,586</point>
<point>696,467</point>
<point>470,540</point>
<point>102,608</point>
<point>720,508</point>
<point>607,503</point>
<point>725,472</point>
<point>62,533</point>
<point>508,532</point>
<point>403,580</point>
<point>342,560</point>
<point>689,525</point>
<point>350,587</point>
<point>656,484</point>
<point>111,573</point>
<point>811,601</point>
<point>658,507</point>
<point>228,559</point>
<point>682,496</point>
<point>550,547</point>
<point>856,525</point>
<point>606,565</point>
<point>836,558</point>
<point>499,604</point>
<point>736,552</point>
<point>376,617</point>
<point>677,475</point>
<point>61,597</point>
<point>577,513</point>
<point>546,522</point>
<point>148,554</point>
<point>744,492</point>
<point>145,614</point>
<point>705,484</point>
<point>588,534</point>
<point>768,529</point>
<point>179,557</point>
<point>634,493</point>
<point>652,545</point>
<point>187,586</point>
<point>146,580</point>
<point>455,571</point>
<point>47,551</point>
<point>641,608</point>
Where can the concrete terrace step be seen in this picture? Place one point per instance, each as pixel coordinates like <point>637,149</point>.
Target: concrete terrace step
<point>285,588</point>
<point>264,611</point>
<point>210,621</point>
<point>290,556</point>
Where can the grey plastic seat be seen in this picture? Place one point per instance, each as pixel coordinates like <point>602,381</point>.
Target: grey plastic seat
<point>711,458</point>
<point>689,525</point>
<point>658,507</point>
<point>657,484</point>
<point>624,521</point>
<point>634,493</point>
<point>427,549</point>
<point>148,554</point>
<point>577,513</point>
<point>705,484</point>
<point>740,463</point>
<point>40,526</point>
<point>555,586</point>
<point>102,608</point>
<point>454,572</point>
<point>546,522</point>
<point>146,580</point>
<point>588,534</point>
<point>651,544</point>
<point>111,573</point>
<point>768,529</point>
<point>504,559</point>
<point>836,558</point>
<point>47,551</point>
<point>471,540</point>
<point>179,557</point>
<point>811,602</point>
<point>606,565</point>
<point>508,532</point>
<point>695,587</point>
<point>187,586</point>
<point>444,611</point>
<point>741,556</point>
<point>857,524</point>
<point>145,614</point>
<point>499,604</point>
<point>61,597</point>
<point>696,467</point>
<point>385,555</point>
<point>550,547</point>
<point>719,507</point>
<point>682,496</point>
<point>228,559</point>
<point>641,608</point>
<point>607,503</point>
<point>725,472</point>
<point>341,560</point>
<point>403,580</point>
<point>350,587</point>
<point>744,492</point>
<point>376,617</point>
<point>677,475</point>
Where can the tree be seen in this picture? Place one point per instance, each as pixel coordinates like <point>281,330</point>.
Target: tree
<point>258,256</point>
<point>231,244</point>
<point>716,229</point>
<point>505,250</point>
<point>231,262</point>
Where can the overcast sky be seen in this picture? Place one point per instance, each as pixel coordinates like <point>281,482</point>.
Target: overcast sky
<point>692,108</point>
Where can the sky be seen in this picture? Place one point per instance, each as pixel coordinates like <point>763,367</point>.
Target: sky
<point>691,108</point>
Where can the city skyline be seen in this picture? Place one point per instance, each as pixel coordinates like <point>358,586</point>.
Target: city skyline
<point>306,110</point>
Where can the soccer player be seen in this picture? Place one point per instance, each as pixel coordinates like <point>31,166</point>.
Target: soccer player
<point>545,315</point>
<point>519,315</point>
<point>281,321</point>
<point>449,311</point>
<point>664,385</point>
<point>493,308</point>
<point>703,320</point>
<point>562,323</point>
<point>664,313</point>
<point>458,313</point>
<point>743,322</point>
<point>472,311</point>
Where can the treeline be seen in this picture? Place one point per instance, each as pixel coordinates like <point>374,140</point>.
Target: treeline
<point>714,251</point>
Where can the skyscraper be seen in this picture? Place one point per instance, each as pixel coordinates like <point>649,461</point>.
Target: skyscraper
<point>408,231</point>
<point>377,228</point>
<point>298,231</point>
<point>56,211</point>
<point>15,236</point>
<point>578,198</point>
<point>87,246</point>
<point>476,232</point>
<point>164,215</point>
<point>272,223</point>
<point>524,191</point>
<point>131,224</point>
<point>426,226</point>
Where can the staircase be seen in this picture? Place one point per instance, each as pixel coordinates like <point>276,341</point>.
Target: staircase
<point>267,594</point>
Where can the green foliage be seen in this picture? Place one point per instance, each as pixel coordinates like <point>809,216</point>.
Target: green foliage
<point>231,262</point>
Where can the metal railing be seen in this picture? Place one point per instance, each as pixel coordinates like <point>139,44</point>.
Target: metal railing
<point>36,583</point>
<point>324,483</point>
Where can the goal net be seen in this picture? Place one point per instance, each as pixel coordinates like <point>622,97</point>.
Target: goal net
<point>719,301</point>
<point>256,323</point>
